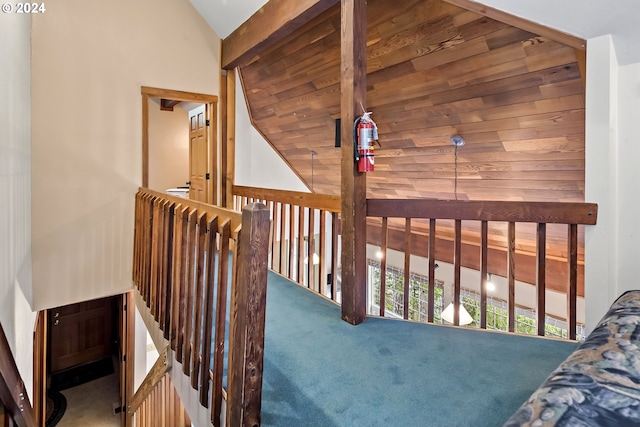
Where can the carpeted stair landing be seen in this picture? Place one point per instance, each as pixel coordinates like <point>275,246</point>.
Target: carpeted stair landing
<point>321,371</point>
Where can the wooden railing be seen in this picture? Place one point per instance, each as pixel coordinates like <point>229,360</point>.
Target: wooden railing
<point>543,254</point>
<point>304,235</point>
<point>15,407</point>
<point>453,214</point>
<point>188,258</point>
<point>156,403</point>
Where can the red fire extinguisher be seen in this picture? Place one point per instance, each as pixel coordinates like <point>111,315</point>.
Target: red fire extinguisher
<point>365,133</point>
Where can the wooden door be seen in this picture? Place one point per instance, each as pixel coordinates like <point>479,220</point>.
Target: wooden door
<point>198,155</point>
<point>81,333</point>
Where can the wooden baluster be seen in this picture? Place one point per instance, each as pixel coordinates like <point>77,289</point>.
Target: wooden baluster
<point>383,265</point>
<point>136,239</point>
<point>572,286</point>
<point>221,312</point>
<point>511,274</point>
<point>322,279</point>
<point>180,281</point>
<point>169,276</point>
<point>199,300</point>
<point>457,263</point>
<point>282,253</point>
<point>541,243</point>
<point>484,252</point>
<point>272,234</point>
<point>141,233</point>
<point>146,249</point>
<point>189,291</point>
<point>207,329</point>
<point>300,245</point>
<point>160,264</point>
<point>407,267</point>
<point>311,250</point>
<point>290,265</point>
<point>335,226</point>
<point>432,271</point>
<point>154,257</point>
<point>147,244</point>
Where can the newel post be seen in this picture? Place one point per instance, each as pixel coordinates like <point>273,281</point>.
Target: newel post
<point>246,332</point>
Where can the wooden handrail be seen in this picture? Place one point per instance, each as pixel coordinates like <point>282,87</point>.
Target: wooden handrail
<point>538,213</point>
<point>159,368</point>
<point>535,212</point>
<point>554,270</point>
<point>13,394</point>
<point>304,235</point>
<point>325,202</point>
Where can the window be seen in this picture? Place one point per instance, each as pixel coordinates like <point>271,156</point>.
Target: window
<point>394,294</point>
<point>497,309</point>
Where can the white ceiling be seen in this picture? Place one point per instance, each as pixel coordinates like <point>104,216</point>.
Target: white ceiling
<point>224,16</point>
<point>582,18</point>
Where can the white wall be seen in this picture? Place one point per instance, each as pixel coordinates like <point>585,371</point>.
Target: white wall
<point>612,156</point>
<point>601,178</point>
<point>16,316</point>
<point>90,60</point>
<point>257,163</point>
<point>628,149</point>
<point>200,416</point>
<point>168,147</point>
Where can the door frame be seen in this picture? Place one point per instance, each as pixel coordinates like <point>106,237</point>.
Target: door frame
<point>212,134</point>
<point>127,352</point>
<point>40,367</point>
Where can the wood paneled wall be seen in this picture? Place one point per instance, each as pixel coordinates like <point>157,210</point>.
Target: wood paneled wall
<point>434,70</point>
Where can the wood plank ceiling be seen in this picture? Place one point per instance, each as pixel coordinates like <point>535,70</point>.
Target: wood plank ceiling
<point>434,70</point>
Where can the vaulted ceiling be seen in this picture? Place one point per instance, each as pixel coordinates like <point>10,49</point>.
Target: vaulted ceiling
<point>433,70</point>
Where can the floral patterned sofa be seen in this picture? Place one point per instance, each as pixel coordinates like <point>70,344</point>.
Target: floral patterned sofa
<point>599,384</point>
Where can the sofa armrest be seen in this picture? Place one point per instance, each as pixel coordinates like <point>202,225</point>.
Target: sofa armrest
<point>599,383</point>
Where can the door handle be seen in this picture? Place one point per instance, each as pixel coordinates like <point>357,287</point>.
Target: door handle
<point>188,182</point>
<point>56,322</point>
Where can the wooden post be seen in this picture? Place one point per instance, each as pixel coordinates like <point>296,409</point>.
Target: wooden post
<point>248,303</point>
<point>572,285</point>
<point>353,183</point>
<point>541,278</point>
<point>228,135</point>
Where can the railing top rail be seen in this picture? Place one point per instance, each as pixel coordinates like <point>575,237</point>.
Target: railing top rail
<point>211,211</point>
<point>161,366</point>
<point>537,212</point>
<point>13,394</point>
<point>325,202</point>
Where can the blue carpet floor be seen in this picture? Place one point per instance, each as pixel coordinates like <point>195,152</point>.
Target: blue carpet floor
<point>321,371</point>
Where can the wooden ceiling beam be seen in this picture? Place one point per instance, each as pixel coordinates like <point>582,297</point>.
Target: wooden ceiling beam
<point>523,24</point>
<point>168,104</point>
<point>274,21</point>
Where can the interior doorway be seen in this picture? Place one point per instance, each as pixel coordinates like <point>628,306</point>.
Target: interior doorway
<point>185,163</point>
<point>85,352</point>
